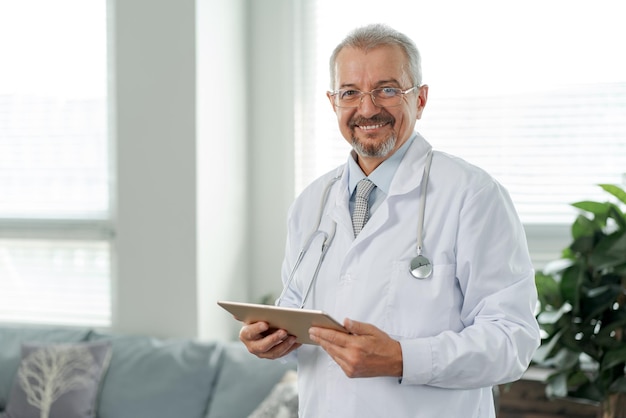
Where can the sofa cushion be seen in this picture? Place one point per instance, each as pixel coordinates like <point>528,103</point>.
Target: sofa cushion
<point>152,378</point>
<point>244,382</point>
<point>59,380</point>
<point>11,339</point>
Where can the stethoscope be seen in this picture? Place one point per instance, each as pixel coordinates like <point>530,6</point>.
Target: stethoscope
<point>420,266</point>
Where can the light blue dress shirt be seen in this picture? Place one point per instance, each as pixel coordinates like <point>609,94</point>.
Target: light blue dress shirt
<point>381,176</point>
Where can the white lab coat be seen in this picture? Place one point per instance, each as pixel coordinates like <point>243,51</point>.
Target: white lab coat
<point>468,327</point>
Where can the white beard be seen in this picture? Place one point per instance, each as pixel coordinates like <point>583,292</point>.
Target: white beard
<point>379,150</point>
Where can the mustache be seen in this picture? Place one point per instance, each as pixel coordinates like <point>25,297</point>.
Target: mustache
<point>374,120</point>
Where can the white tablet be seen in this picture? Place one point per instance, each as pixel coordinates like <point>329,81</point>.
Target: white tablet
<point>295,321</point>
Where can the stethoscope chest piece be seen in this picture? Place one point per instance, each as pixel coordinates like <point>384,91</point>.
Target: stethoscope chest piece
<point>421,267</point>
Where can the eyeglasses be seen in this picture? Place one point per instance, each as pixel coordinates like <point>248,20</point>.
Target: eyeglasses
<point>382,97</point>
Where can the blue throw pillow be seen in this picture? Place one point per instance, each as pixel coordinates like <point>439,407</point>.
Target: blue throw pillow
<point>58,380</point>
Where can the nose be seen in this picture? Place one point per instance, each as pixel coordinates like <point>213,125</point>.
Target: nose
<point>367,107</point>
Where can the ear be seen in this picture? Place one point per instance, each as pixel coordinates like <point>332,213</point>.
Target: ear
<point>332,102</point>
<point>422,98</point>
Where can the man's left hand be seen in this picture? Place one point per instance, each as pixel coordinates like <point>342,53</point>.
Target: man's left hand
<point>365,352</point>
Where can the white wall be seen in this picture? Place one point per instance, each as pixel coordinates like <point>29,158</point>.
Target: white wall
<point>245,152</point>
<point>222,162</point>
<point>271,139</point>
<point>153,82</point>
<point>203,123</point>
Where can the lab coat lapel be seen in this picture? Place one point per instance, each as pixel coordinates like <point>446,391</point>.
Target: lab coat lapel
<point>340,210</point>
<point>406,179</point>
<point>411,170</point>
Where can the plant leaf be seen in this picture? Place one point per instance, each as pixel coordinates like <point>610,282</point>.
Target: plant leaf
<point>613,358</point>
<point>583,227</point>
<point>618,247</point>
<point>619,217</point>
<point>606,337</point>
<point>596,208</point>
<point>620,269</point>
<point>598,300</point>
<point>619,385</point>
<point>550,317</point>
<point>555,267</point>
<point>571,343</point>
<point>577,378</point>
<point>548,291</point>
<point>544,352</point>
<point>556,386</point>
<point>610,251</point>
<point>588,391</point>
<point>615,191</point>
<point>570,286</point>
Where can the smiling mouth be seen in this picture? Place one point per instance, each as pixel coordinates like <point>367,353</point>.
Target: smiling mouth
<point>371,127</point>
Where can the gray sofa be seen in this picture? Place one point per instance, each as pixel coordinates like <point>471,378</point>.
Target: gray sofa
<point>155,378</point>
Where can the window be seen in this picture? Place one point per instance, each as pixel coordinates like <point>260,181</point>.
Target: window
<point>533,92</point>
<point>55,180</point>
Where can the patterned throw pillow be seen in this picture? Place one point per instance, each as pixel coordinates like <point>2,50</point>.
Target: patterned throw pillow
<point>282,402</point>
<point>59,380</point>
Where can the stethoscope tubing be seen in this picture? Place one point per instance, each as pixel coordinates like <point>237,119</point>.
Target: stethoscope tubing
<point>329,237</point>
<point>422,208</point>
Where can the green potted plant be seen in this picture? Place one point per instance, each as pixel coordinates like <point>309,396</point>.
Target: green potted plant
<point>582,309</point>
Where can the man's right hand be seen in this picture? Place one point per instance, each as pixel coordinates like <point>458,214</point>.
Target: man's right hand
<point>267,345</point>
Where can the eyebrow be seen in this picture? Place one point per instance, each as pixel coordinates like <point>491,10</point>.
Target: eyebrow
<point>377,85</point>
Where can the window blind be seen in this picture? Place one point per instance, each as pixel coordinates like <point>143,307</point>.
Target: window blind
<point>519,90</point>
<point>55,182</point>
<point>549,148</point>
<point>53,157</point>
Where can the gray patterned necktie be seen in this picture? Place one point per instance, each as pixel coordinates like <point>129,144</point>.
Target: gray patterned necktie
<point>361,208</point>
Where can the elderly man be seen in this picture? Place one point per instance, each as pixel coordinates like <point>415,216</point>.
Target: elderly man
<point>428,336</point>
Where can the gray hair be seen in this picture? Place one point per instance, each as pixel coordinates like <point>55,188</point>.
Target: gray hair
<point>377,35</point>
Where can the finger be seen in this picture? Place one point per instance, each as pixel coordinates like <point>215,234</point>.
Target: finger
<point>263,344</point>
<point>281,349</point>
<point>287,346</point>
<point>253,332</point>
<point>338,346</point>
<point>359,328</point>
<point>366,351</point>
<point>324,336</point>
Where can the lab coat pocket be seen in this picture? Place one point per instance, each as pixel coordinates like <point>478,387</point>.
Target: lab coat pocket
<point>422,307</point>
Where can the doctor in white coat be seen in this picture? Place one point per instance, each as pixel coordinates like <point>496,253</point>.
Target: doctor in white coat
<point>430,346</point>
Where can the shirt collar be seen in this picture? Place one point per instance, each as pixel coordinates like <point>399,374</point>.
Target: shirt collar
<point>383,174</point>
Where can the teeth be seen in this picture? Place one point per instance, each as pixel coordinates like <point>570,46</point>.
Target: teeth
<point>367,128</point>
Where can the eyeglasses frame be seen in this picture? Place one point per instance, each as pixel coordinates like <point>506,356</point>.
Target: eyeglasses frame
<point>371,94</point>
